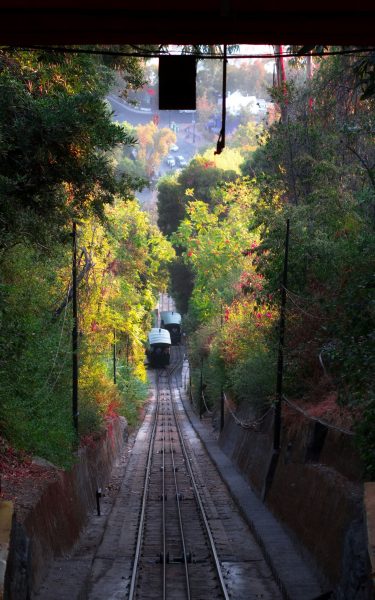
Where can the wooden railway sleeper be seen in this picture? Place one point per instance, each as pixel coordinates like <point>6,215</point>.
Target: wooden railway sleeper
<point>181,559</point>
<point>161,556</point>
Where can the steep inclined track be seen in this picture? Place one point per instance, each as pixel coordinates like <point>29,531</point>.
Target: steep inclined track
<point>173,524</point>
<point>174,532</point>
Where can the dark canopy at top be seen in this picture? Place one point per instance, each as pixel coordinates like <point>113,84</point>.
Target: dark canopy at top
<point>186,22</point>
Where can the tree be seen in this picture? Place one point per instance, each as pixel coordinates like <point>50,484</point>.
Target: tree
<point>57,142</point>
<point>154,145</point>
<point>202,176</point>
<point>55,135</point>
<point>246,137</point>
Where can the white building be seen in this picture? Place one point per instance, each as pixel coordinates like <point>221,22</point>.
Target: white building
<point>236,102</point>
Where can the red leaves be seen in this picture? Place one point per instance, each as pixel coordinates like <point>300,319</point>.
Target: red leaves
<point>94,326</point>
<point>16,466</point>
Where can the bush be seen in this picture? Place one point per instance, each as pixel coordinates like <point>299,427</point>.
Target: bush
<point>133,393</point>
<point>35,368</point>
<point>253,381</point>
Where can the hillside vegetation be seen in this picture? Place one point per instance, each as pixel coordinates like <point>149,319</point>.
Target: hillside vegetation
<point>315,167</point>
<point>57,141</point>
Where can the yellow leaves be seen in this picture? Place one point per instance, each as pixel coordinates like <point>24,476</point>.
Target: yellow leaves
<point>118,292</point>
<point>76,151</point>
<point>154,144</point>
<point>189,192</point>
<point>69,190</point>
<point>228,160</point>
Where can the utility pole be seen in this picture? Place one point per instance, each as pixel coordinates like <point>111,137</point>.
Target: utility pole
<point>221,386</point>
<point>281,81</point>
<point>201,390</point>
<point>309,71</point>
<point>114,356</point>
<point>75,332</point>
<point>280,360</point>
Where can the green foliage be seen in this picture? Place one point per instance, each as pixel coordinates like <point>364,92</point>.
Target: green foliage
<point>314,166</point>
<point>171,206</point>
<point>231,335</point>
<point>213,243</point>
<point>246,137</point>
<point>181,284</point>
<point>202,176</point>
<point>365,437</point>
<point>60,154</point>
<point>35,349</point>
<point>133,393</point>
<point>123,263</point>
<point>55,131</point>
<point>253,380</point>
<point>207,182</point>
<point>229,160</point>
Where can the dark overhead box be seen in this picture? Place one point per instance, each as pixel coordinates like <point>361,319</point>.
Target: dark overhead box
<point>177,90</point>
<point>189,22</point>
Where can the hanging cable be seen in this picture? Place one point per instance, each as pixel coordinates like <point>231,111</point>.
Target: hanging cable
<point>199,55</point>
<point>316,419</point>
<point>221,141</point>
<point>253,424</point>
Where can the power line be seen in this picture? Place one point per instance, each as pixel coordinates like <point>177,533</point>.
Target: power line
<point>198,55</point>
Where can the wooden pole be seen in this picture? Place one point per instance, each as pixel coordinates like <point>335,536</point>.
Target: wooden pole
<point>75,333</point>
<point>280,361</point>
<point>114,356</point>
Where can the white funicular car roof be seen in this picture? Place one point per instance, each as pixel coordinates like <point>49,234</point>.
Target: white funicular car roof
<point>159,336</point>
<point>169,317</point>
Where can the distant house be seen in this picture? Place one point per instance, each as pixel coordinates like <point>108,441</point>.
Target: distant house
<point>236,102</point>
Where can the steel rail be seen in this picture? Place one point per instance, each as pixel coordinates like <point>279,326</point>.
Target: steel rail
<point>184,553</point>
<point>133,582</point>
<point>143,506</point>
<point>201,507</point>
<point>163,504</point>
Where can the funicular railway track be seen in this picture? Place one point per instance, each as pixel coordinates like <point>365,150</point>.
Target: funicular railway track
<point>174,531</point>
<point>173,525</point>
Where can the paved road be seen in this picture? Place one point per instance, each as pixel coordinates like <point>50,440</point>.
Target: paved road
<point>136,116</point>
<point>189,141</point>
<point>187,130</point>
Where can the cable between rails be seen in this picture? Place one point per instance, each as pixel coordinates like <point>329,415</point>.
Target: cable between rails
<point>202,510</point>
<point>180,520</point>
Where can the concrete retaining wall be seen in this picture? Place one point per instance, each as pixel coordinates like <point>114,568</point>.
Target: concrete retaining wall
<point>315,491</point>
<point>53,525</point>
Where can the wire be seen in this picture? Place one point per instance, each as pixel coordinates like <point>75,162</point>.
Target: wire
<point>321,421</point>
<point>45,384</point>
<point>150,54</point>
<point>208,411</point>
<point>221,141</point>
<point>247,424</point>
<point>300,308</point>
